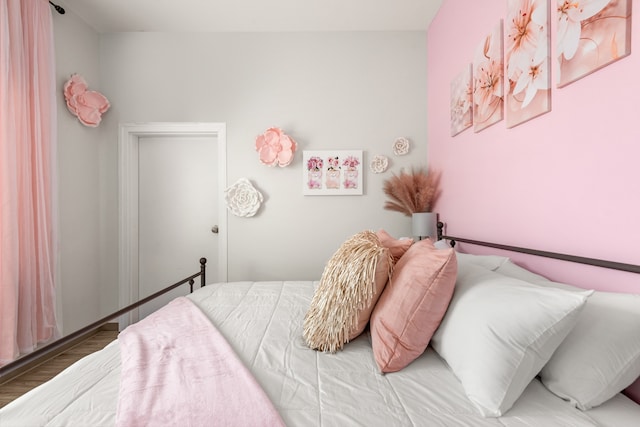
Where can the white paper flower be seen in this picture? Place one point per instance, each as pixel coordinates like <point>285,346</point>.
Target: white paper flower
<point>400,146</point>
<point>379,164</point>
<point>242,198</point>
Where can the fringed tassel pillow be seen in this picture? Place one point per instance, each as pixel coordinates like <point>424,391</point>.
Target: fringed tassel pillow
<point>349,288</point>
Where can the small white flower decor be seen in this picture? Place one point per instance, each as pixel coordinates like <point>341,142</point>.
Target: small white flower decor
<point>242,198</point>
<point>379,164</point>
<point>400,146</point>
<point>275,147</point>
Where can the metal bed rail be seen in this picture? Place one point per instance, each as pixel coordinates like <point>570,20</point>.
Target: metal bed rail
<point>19,365</point>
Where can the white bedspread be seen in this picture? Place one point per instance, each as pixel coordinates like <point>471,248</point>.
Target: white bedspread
<point>262,321</point>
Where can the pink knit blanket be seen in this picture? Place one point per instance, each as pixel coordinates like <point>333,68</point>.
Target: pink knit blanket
<point>177,369</point>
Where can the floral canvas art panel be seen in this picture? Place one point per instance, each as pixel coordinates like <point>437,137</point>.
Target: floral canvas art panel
<point>461,101</point>
<point>332,172</point>
<point>591,34</point>
<point>527,60</point>
<point>488,81</point>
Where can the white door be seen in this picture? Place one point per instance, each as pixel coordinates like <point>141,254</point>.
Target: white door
<point>177,209</point>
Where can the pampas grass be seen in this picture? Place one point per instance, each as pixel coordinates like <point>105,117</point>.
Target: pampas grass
<point>416,191</point>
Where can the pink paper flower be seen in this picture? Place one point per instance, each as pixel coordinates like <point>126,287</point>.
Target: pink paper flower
<point>87,105</point>
<point>275,147</point>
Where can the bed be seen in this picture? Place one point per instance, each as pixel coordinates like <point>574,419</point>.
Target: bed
<point>443,385</point>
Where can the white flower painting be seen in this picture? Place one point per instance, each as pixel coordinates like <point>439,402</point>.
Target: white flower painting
<point>488,81</point>
<point>527,60</point>
<point>461,101</point>
<point>591,34</point>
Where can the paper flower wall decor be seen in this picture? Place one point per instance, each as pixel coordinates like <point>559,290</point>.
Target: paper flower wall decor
<point>400,146</point>
<point>379,164</point>
<point>242,198</point>
<point>87,105</point>
<point>275,147</point>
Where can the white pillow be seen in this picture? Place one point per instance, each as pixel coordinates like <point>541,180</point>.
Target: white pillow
<point>601,355</point>
<point>499,332</point>
<point>441,244</point>
<point>509,268</point>
<point>490,262</point>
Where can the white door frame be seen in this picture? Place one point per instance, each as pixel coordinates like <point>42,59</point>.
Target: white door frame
<point>128,142</point>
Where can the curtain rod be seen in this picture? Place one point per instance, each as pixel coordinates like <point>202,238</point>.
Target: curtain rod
<point>58,9</point>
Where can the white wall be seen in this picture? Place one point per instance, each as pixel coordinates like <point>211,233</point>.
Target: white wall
<point>77,51</point>
<point>327,90</point>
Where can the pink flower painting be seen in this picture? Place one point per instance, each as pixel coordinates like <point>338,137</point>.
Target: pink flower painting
<point>87,105</point>
<point>332,172</point>
<point>275,147</point>
<point>461,102</point>
<point>591,34</point>
<point>488,75</point>
<point>527,58</point>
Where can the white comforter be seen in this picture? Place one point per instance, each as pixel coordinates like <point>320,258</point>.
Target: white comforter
<point>262,321</point>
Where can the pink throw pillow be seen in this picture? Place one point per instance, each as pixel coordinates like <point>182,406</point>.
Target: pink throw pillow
<point>398,247</point>
<point>412,305</point>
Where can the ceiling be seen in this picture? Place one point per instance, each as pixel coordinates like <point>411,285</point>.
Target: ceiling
<point>107,16</point>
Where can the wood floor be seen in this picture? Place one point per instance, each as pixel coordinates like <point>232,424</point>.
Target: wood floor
<point>18,386</point>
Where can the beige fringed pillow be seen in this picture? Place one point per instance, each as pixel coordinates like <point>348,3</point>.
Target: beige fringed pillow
<point>351,283</point>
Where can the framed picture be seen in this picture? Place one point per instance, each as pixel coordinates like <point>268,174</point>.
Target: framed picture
<point>461,101</point>
<point>332,172</point>
<point>527,61</point>
<point>488,75</point>
<point>591,37</point>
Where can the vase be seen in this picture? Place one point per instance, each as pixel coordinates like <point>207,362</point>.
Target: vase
<point>424,224</point>
<point>333,179</point>
<point>351,178</point>
<point>315,179</point>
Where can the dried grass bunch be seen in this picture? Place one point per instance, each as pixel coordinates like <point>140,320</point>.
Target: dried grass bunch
<point>411,192</point>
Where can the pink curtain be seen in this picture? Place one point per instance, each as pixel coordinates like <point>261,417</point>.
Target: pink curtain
<point>27,177</point>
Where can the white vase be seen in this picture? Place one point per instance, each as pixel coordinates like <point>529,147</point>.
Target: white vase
<point>423,225</point>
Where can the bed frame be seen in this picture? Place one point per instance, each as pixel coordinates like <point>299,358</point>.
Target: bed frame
<point>555,255</point>
<point>26,362</point>
<point>634,390</point>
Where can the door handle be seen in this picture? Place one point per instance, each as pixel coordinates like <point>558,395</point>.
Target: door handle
<point>215,229</point>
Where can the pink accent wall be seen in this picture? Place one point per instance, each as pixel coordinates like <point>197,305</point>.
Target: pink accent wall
<point>567,181</point>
